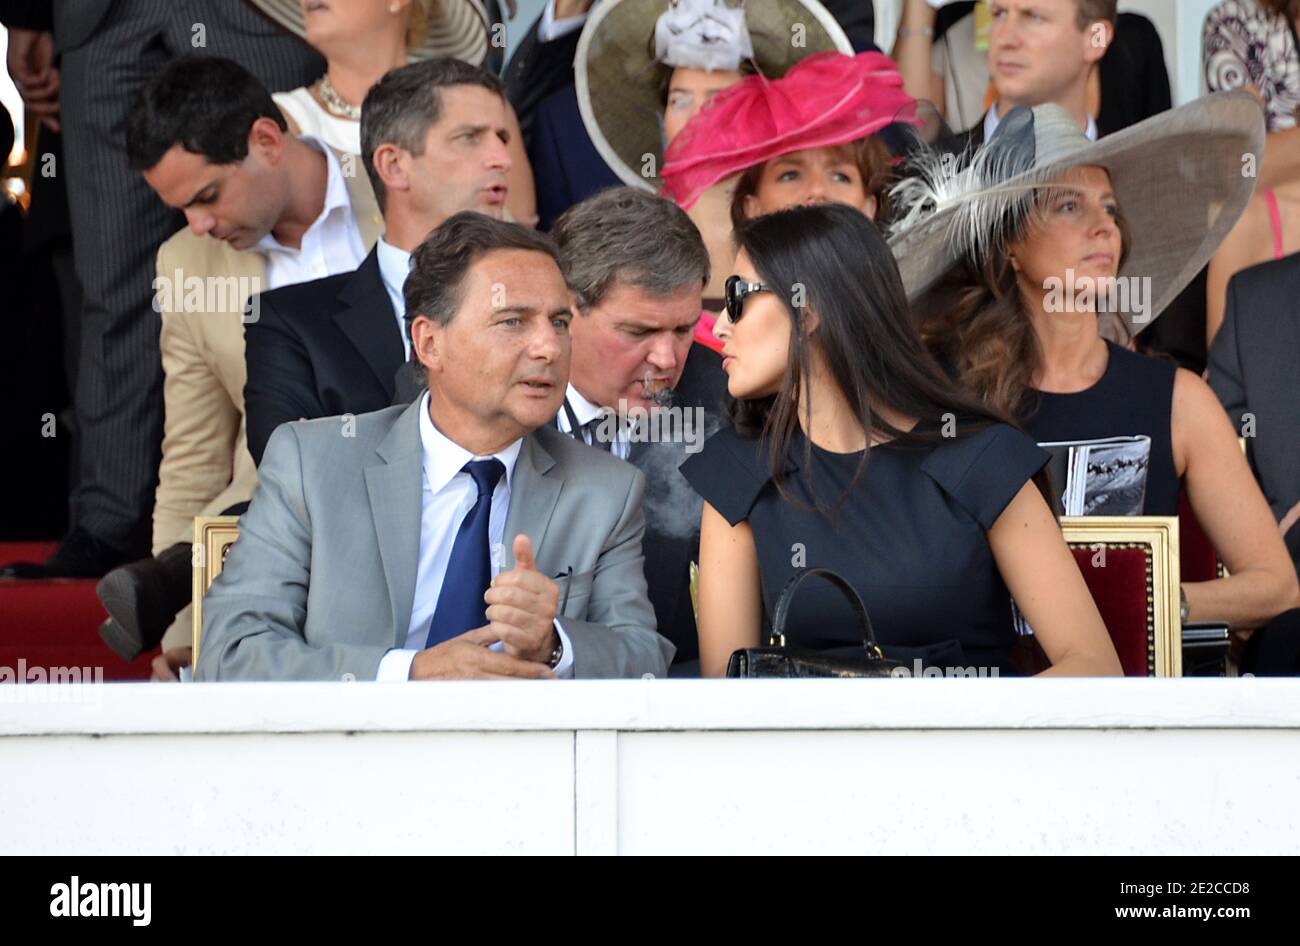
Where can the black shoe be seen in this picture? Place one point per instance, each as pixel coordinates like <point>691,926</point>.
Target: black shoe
<point>119,641</point>
<point>79,555</point>
<point>143,598</point>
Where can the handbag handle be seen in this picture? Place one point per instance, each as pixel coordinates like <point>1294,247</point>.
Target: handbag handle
<point>849,592</point>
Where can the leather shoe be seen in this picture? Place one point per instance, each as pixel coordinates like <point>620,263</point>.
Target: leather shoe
<point>79,555</point>
<point>143,598</point>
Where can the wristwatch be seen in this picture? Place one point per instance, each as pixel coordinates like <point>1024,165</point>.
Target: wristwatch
<point>558,653</point>
<point>1182,605</point>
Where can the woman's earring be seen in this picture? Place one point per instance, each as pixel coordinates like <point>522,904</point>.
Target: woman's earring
<point>394,7</point>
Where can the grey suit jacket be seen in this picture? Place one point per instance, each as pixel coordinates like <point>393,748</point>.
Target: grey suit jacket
<point>1253,371</point>
<point>321,582</point>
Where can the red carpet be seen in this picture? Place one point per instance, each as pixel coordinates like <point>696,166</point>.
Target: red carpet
<point>49,624</point>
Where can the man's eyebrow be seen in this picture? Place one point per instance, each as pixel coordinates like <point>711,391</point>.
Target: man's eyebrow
<point>530,310</point>
<point>197,194</point>
<point>628,325</point>
<point>476,129</point>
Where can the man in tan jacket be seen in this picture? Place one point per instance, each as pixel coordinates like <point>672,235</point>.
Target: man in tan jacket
<point>264,210</point>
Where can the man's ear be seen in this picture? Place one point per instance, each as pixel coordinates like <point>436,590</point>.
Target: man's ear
<point>1097,39</point>
<point>390,164</point>
<point>427,343</point>
<point>266,140</point>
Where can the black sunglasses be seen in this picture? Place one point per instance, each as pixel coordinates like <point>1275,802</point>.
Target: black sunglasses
<point>735,292</point>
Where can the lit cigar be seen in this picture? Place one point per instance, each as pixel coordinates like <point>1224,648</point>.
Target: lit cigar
<point>657,390</point>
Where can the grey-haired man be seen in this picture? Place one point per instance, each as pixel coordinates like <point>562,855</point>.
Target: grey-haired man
<point>641,386</point>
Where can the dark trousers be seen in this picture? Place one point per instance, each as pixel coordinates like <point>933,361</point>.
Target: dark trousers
<point>118,223</point>
<point>1274,649</point>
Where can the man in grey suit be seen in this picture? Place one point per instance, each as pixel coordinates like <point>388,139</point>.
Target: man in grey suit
<point>371,543</point>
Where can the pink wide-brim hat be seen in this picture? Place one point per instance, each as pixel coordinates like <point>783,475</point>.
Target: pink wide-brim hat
<point>826,100</point>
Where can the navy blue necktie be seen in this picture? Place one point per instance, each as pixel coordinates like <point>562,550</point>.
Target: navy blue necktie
<point>469,571</point>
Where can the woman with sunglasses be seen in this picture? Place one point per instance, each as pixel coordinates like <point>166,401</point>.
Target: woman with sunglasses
<point>850,449</point>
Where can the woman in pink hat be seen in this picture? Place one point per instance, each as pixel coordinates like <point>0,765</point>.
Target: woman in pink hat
<point>810,137</point>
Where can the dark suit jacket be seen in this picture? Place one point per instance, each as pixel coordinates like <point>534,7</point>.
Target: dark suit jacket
<point>76,20</point>
<point>1253,371</point>
<point>27,14</point>
<point>672,508</point>
<point>320,348</point>
<point>536,71</point>
<point>565,162</point>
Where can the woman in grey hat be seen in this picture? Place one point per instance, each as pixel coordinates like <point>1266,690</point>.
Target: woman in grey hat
<point>1015,261</point>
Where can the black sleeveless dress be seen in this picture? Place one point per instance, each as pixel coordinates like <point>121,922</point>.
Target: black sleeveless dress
<point>910,538</point>
<point>1134,396</point>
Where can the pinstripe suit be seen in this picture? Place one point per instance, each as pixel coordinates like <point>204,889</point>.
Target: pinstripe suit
<point>110,48</point>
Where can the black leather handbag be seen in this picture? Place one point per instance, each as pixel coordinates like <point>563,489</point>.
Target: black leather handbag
<point>777,661</point>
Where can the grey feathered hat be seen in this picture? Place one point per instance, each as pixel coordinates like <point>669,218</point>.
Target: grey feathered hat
<point>1181,178</point>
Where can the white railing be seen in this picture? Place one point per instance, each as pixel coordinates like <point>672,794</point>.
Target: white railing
<point>881,766</point>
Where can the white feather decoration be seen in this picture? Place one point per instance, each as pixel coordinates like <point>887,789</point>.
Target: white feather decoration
<point>989,193</point>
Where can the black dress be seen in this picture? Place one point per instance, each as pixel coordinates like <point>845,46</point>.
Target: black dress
<point>1134,396</point>
<point>910,537</point>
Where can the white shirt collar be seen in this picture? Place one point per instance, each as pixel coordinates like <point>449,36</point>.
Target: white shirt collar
<point>991,121</point>
<point>443,458</point>
<point>336,199</point>
<point>394,266</point>
<point>583,410</point>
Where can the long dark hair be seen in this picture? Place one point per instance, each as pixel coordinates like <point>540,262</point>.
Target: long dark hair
<point>832,259</point>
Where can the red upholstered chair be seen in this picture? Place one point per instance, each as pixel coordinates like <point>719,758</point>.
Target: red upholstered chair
<point>1197,559</point>
<point>1131,566</point>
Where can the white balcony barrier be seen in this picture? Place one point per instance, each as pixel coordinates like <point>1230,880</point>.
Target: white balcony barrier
<point>881,766</point>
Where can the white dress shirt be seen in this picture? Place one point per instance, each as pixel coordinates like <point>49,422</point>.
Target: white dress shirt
<point>586,412</point>
<point>446,500</point>
<point>394,265</point>
<point>548,28</point>
<point>991,121</point>
<point>332,244</point>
